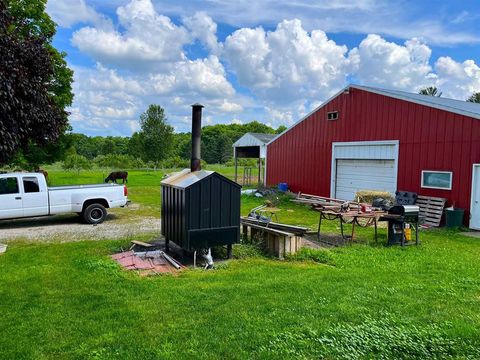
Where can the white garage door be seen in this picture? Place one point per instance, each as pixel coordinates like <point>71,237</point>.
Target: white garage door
<point>358,174</point>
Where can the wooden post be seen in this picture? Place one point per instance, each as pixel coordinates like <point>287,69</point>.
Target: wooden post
<point>229,251</point>
<point>236,162</point>
<point>259,170</point>
<point>244,233</point>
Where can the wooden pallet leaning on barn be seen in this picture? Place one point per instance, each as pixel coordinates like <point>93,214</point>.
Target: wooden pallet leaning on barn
<point>431,209</point>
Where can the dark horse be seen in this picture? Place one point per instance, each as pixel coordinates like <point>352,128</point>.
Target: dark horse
<point>114,176</point>
<point>44,172</point>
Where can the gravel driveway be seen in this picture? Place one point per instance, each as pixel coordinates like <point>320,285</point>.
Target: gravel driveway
<point>71,228</point>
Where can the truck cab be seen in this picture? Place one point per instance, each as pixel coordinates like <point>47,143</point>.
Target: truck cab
<point>23,195</point>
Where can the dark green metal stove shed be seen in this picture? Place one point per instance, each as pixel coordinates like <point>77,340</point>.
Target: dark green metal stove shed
<point>200,209</point>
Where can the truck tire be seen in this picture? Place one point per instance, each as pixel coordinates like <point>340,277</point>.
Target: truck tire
<point>94,214</point>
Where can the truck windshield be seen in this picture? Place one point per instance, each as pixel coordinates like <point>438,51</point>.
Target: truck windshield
<point>8,185</point>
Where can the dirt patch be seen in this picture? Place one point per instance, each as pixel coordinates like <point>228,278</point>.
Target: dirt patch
<point>71,228</point>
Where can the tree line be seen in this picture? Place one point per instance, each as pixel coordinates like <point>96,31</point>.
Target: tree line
<point>156,144</point>
<point>434,91</point>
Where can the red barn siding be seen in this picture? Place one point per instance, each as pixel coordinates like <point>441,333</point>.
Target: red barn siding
<point>430,139</point>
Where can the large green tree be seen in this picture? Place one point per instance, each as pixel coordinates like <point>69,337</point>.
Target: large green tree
<point>157,135</point>
<point>280,129</point>
<point>35,82</point>
<point>475,97</point>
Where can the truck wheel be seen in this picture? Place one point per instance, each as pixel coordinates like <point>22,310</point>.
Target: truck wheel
<point>95,214</point>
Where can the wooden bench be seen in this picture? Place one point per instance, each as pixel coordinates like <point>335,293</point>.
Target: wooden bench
<point>431,210</point>
<point>278,239</point>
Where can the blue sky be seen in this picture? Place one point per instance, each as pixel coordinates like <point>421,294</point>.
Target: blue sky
<point>270,61</point>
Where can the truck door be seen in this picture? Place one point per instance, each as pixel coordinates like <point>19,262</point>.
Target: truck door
<point>35,197</point>
<point>11,205</point>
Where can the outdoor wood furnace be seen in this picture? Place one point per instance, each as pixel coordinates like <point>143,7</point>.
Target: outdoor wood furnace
<point>200,209</point>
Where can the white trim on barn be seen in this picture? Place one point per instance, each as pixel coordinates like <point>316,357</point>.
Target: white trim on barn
<point>265,167</point>
<point>364,150</point>
<point>474,222</point>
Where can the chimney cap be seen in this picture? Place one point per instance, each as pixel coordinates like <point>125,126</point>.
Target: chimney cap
<point>197,105</point>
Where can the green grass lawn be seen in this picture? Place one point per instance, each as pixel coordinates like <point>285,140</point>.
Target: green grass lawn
<point>70,301</point>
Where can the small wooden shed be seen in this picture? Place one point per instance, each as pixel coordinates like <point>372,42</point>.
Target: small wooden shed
<point>252,146</point>
<point>200,209</point>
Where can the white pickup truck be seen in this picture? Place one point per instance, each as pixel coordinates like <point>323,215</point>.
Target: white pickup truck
<point>27,195</point>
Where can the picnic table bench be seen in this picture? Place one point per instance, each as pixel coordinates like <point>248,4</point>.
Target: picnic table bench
<point>354,217</point>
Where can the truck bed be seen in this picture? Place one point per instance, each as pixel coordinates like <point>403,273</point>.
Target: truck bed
<point>86,186</point>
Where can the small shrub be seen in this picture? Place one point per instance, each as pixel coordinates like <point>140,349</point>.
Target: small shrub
<point>239,251</point>
<point>243,251</point>
<point>76,162</point>
<point>309,254</point>
<point>221,265</point>
<point>175,162</point>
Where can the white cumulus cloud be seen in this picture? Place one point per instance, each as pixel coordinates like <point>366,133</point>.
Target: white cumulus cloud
<point>288,63</point>
<point>149,39</point>
<point>203,28</point>
<point>205,77</point>
<point>71,12</point>
<point>458,80</point>
<point>387,64</point>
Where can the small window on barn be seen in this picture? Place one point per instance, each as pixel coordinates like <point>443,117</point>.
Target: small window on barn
<point>437,179</point>
<point>332,115</point>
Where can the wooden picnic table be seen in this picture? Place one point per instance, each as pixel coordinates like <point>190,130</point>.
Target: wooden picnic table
<point>350,217</point>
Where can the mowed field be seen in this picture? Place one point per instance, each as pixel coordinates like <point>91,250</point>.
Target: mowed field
<point>68,300</point>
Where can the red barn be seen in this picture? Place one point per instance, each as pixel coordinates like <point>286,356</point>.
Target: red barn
<point>377,139</point>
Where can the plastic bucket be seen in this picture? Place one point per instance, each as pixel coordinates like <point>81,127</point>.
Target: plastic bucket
<point>454,218</point>
<point>283,187</point>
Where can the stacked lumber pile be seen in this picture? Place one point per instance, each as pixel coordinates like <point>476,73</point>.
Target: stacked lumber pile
<point>324,203</point>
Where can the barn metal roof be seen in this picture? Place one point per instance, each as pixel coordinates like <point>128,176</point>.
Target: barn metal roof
<point>265,138</point>
<point>254,139</point>
<point>455,106</point>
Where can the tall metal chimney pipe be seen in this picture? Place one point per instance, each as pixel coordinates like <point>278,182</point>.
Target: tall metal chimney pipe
<point>196,137</point>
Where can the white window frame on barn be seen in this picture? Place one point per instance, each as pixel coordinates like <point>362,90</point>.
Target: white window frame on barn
<point>426,186</point>
<point>332,115</point>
